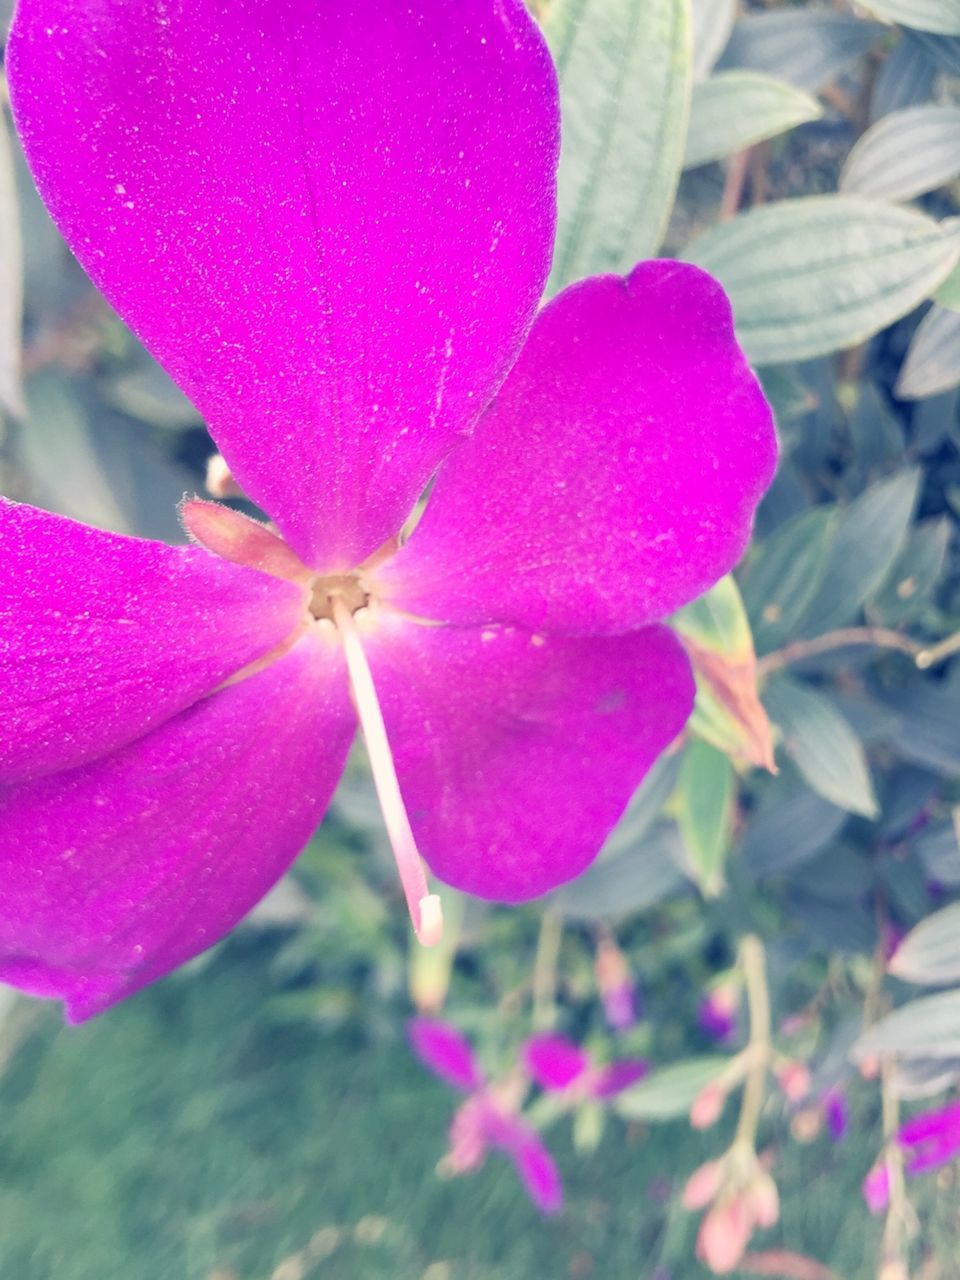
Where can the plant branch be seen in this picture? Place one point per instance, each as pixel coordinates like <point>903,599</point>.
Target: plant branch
<point>845,638</point>
<point>753,962</point>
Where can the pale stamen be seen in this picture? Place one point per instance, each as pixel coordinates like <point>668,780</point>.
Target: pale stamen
<point>424,906</point>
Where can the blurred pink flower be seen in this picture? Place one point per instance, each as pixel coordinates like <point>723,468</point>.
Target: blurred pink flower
<point>558,1065</point>
<point>487,1119</point>
<point>717,1013</point>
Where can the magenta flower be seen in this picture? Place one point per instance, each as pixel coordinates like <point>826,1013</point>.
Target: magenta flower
<point>717,1013</point>
<point>931,1139</point>
<point>928,1141</point>
<point>559,1065</point>
<point>488,1118</point>
<point>332,231</point>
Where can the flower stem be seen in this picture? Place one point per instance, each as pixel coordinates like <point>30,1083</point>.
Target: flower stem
<point>545,970</point>
<point>424,906</point>
<point>753,962</point>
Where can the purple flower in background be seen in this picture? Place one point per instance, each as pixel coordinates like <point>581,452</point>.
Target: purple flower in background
<point>558,1065</point>
<point>931,1139</point>
<point>836,1112</point>
<point>488,1118</point>
<point>928,1141</point>
<point>621,1000</point>
<point>717,1013</point>
<point>333,234</point>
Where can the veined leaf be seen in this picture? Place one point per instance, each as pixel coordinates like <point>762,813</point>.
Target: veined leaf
<point>704,812</point>
<point>948,295</point>
<point>933,359</point>
<point>669,1092</point>
<point>734,109</point>
<point>868,537</point>
<point>822,745</point>
<point>813,275</point>
<point>806,46</point>
<point>941,17</point>
<point>924,1028</point>
<point>930,953</point>
<point>905,154</point>
<point>782,574</point>
<point>625,78</point>
<point>712,24</point>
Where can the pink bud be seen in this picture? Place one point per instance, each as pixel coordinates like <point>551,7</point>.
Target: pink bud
<point>707,1106</point>
<point>876,1188</point>
<point>763,1200</point>
<point>703,1185</point>
<point>794,1080</point>
<point>723,1236</point>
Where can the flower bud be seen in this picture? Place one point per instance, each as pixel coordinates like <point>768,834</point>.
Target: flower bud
<point>724,1234</point>
<point>703,1185</point>
<point>707,1106</point>
<point>876,1188</point>
<point>794,1079</point>
<point>763,1200</point>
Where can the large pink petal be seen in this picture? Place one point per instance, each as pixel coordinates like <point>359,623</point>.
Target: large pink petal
<point>615,476</point>
<point>115,873</point>
<point>331,223</point>
<point>102,637</point>
<point>517,754</point>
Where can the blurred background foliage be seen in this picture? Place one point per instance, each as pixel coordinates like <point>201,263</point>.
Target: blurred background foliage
<point>259,1115</point>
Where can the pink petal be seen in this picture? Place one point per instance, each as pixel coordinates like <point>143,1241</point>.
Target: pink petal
<point>536,1168</point>
<point>103,637</point>
<point>616,1077</point>
<point>330,223</point>
<point>615,476</point>
<point>554,1061</point>
<point>115,873</point>
<point>517,754</point>
<point>445,1051</point>
<point>930,1124</point>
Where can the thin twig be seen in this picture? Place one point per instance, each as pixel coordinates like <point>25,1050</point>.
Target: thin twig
<point>846,637</point>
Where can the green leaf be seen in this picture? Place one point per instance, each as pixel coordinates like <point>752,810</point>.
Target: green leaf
<point>712,24</point>
<point>782,574</point>
<point>942,17</point>
<point>791,828</point>
<point>734,109</point>
<point>917,570</point>
<point>627,882</point>
<point>905,154</point>
<point>644,809</point>
<point>948,295</point>
<point>822,745</point>
<point>670,1092</point>
<point>625,77</point>
<point>810,276</point>
<point>806,46</point>
<point>718,621</point>
<point>932,364</point>
<point>704,810</point>
<point>869,536</point>
<point>930,953</point>
<point>924,1028</point>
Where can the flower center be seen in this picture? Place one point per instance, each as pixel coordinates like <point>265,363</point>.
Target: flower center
<point>344,587</point>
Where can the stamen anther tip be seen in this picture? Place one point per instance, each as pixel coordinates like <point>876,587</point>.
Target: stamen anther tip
<point>430,911</point>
